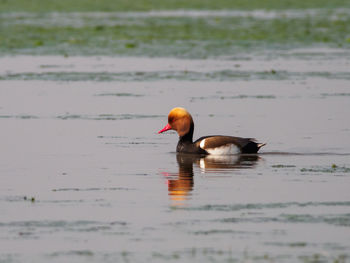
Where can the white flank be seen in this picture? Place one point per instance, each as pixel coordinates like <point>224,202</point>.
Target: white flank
<point>224,150</point>
<point>202,144</point>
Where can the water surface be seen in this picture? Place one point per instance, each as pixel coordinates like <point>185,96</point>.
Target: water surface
<point>86,177</point>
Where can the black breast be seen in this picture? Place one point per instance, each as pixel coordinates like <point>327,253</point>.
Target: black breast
<point>189,147</point>
<point>250,147</point>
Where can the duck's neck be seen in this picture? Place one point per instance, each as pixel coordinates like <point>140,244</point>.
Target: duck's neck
<point>188,137</point>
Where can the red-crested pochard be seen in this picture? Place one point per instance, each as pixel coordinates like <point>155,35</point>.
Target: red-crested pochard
<point>180,120</point>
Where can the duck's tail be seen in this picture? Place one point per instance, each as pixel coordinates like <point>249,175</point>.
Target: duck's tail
<point>260,145</point>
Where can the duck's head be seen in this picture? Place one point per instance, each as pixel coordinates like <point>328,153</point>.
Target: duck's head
<point>179,120</point>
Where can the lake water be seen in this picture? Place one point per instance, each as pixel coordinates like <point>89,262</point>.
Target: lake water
<point>86,178</point>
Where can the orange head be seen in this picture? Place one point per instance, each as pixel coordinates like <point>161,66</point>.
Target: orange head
<point>179,120</point>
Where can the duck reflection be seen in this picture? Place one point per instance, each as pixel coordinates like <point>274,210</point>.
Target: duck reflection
<point>180,185</point>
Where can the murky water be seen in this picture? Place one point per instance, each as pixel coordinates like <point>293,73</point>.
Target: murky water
<point>85,176</point>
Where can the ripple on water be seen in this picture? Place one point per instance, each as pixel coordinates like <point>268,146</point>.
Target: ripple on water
<point>105,117</point>
<point>259,206</point>
<point>36,229</point>
<point>225,75</point>
<point>23,117</point>
<point>224,232</point>
<point>338,219</point>
<point>93,189</point>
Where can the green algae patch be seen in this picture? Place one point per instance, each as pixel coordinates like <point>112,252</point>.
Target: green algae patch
<point>189,33</point>
<point>146,5</point>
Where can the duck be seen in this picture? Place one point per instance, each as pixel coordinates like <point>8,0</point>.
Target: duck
<point>181,121</point>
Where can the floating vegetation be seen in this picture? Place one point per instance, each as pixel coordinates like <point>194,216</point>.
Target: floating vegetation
<point>87,253</point>
<point>120,95</point>
<point>283,166</point>
<point>179,33</point>
<point>337,94</point>
<point>143,5</point>
<point>293,244</point>
<point>324,258</point>
<point>31,199</point>
<point>328,169</point>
